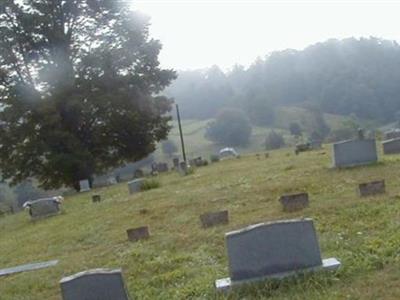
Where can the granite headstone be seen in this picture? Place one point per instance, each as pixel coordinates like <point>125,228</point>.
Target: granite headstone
<point>391,146</point>
<point>354,152</point>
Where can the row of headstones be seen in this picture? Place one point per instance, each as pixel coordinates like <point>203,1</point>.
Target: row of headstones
<point>51,206</point>
<point>257,252</point>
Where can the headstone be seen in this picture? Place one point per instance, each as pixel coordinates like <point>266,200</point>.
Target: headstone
<point>28,267</point>
<point>135,185</point>
<point>136,234</point>
<point>84,185</point>
<point>392,134</point>
<point>96,198</point>
<point>354,152</point>
<point>162,167</point>
<point>183,168</point>
<point>273,250</point>
<point>97,284</point>
<point>214,218</point>
<point>391,146</point>
<point>175,162</point>
<point>43,208</point>
<point>294,202</point>
<point>372,188</point>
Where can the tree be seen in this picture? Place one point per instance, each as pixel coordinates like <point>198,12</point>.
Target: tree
<point>295,129</point>
<point>230,128</point>
<point>79,89</point>
<point>169,147</point>
<point>274,140</point>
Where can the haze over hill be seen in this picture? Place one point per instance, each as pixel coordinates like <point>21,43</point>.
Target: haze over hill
<point>350,76</point>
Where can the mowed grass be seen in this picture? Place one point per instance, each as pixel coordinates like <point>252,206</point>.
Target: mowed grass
<point>181,260</point>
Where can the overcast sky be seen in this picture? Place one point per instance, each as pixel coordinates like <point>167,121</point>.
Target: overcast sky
<point>198,34</point>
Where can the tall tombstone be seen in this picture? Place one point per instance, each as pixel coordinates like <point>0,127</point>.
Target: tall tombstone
<point>391,146</point>
<point>354,152</point>
<point>175,162</point>
<point>43,208</point>
<point>135,185</point>
<point>273,250</point>
<point>96,284</point>
<point>84,185</point>
<point>294,202</point>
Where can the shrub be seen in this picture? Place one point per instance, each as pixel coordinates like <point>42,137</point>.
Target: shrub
<point>150,184</point>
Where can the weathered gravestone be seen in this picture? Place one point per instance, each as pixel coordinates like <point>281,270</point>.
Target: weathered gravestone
<point>43,208</point>
<point>183,168</point>
<point>97,284</point>
<point>294,202</point>
<point>136,234</point>
<point>273,250</point>
<point>372,188</point>
<point>175,162</point>
<point>135,185</point>
<point>354,152</point>
<point>84,185</point>
<point>391,146</point>
<point>214,218</point>
<point>96,198</point>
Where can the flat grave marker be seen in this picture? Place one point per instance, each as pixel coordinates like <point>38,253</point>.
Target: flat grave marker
<point>371,188</point>
<point>96,284</point>
<point>28,267</point>
<point>294,202</point>
<point>214,218</point>
<point>140,233</point>
<point>96,198</point>
<point>273,250</point>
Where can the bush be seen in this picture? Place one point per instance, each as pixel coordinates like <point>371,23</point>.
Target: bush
<point>274,140</point>
<point>150,184</point>
<point>230,128</point>
<point>214,158</point>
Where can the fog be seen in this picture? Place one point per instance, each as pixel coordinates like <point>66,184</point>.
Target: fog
<point>198,34</point>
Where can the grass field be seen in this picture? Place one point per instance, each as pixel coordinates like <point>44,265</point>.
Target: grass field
<point>181,260</point>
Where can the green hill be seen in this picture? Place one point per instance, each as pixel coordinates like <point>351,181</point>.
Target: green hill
<point>181,260</point>
<point>196,144</point>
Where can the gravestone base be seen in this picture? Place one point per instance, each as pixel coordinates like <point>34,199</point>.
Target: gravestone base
<point>329,264</point>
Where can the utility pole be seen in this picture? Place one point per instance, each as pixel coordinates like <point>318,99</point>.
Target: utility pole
<point>181,134</point>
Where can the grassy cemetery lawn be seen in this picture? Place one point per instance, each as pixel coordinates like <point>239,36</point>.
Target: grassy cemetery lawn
<point>181,260</point>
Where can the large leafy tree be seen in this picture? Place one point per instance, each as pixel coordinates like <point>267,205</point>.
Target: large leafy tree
<point>80,83</point>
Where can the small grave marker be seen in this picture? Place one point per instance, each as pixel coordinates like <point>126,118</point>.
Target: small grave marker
<point>96,198</point>
<point>135,185</point>
<point>97,284</point>
<point>273,250</point>
<point>84,185</point>
<point>294,202</point>
<point>136,234</point>
<point>371,188</point>
<point>214,218</point>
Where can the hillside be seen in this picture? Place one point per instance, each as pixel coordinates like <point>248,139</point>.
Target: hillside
<point>196,144</point>
<point>181,260</point>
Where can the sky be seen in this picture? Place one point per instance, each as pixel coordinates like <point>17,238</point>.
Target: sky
<point>198,34</point>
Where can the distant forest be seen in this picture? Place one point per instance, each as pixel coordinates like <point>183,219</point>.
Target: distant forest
<point>358,77</point>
